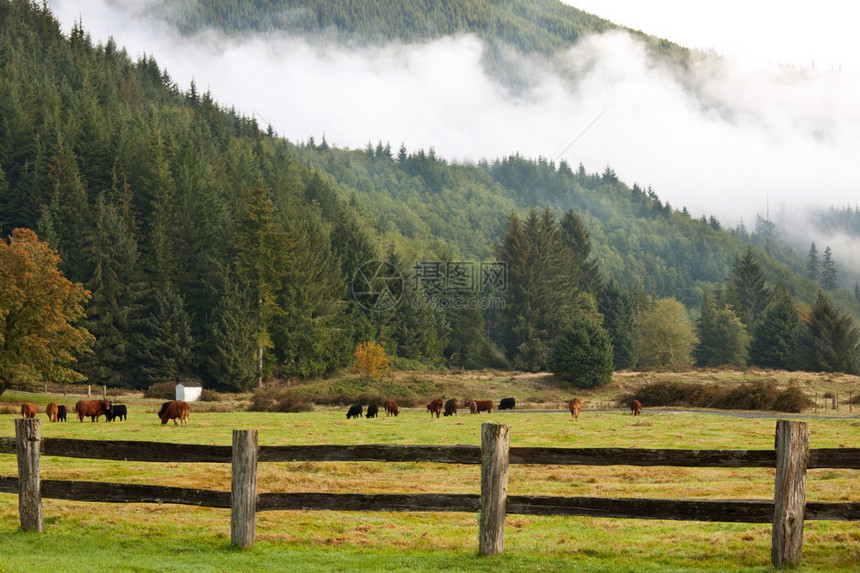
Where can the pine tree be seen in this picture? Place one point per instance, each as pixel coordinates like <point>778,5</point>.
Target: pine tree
<point>829,340</point>
<point>749,294</point>
<point>774,340</point>
<point>582,354</point>
<point>828,271</point>
<point>619,320</point>
<point>165,351</point>
<point>722,339</point>
<point>813,266</point>
<point>117,292</point>
<point>232,364</point>
<point>262,258</point>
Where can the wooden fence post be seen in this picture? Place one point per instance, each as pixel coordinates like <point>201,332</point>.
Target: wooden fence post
<point>792,456</point>
<point>243,493</point>
<point>495,449</point>
<point>28,439</point>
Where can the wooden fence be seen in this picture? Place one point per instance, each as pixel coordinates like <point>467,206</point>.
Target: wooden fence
<point>786,512</point>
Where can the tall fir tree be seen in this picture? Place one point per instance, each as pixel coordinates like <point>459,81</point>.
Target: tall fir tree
<point>829,340</point>
<point>114,312</point>
<point>262,259</point>
<point>813,265</point>
<point>749,294</point>
<point>829,278</point>
<point>774,340</point>
<point>619,320</point>
<point>722,339</point>
<point>165,350</point>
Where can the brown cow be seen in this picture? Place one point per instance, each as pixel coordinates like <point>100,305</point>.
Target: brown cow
<point>391,408</point>
<point>28,410</point>
<point>470,404</point>
<point>174,410</point>
<point>51,410</point>
<point>450,407</point>
<point>575,406</point>
<point>478,406</point>
<point>435,406</point>
<point>635,407</point>
<point>92,408</point>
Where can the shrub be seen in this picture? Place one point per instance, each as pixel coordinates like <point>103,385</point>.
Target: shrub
<point>207,395</point>
<point>162,390</point>
<point>760,395</point>
<point>283,400</point>
<point>793,400</point>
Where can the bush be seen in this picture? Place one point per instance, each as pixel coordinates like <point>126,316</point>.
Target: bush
<point>162,390</point>
<point>760,395</point>
<point>283,400</point>
<point>792,400</point>
<point>210,396</point>
<point>582,354</point>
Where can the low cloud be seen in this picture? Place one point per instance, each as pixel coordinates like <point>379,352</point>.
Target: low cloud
<point>725,139</point>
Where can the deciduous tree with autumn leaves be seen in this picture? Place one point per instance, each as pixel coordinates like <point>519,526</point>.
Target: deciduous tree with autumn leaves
<point>38,311</point>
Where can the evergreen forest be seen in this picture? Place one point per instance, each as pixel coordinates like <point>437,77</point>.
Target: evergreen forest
<point>212,250</point>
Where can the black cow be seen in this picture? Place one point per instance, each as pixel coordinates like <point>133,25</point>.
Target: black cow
<point>507,404</point>
<point>61,413</point>
<point>450,407</point>
<point>372,411</point>
<point>355,411</point>
<point>119,411</point>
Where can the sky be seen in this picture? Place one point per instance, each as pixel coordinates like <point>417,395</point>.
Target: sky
<point>771,127</point>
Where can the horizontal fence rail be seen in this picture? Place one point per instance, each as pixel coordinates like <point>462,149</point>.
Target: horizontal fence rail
<point>738,511</point>
<point>139,451</point>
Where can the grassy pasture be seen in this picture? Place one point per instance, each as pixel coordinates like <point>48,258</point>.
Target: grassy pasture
<point>150,537</point>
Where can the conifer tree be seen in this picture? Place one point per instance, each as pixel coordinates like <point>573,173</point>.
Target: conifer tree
<point>774,340</point>
<point>749,294</point>
<point>828,271</point>
<point>813,266</point>
<point>619,320</point>
<point>829,340</point>
<point>165,351</point>
<point>722,339</point>
<point>114,311</point>
<point>582,354</point>
<point>232,363</point>
<point>262,258</point>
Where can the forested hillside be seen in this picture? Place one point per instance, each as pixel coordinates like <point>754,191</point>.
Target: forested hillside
<point>213,250</point>
<point>508,29</point>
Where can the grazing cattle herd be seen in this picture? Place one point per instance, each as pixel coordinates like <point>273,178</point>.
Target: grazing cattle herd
<point>95,409</point>
<point>179,410</point>
<point>449,407</point>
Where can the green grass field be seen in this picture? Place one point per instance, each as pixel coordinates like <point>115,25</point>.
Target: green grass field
<point>152,537</point>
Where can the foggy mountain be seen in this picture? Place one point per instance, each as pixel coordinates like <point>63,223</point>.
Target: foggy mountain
<point>715,135</point>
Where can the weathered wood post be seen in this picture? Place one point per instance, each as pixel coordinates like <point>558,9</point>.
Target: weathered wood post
<point>792,456</point>
<point>104,392</point>
<point>89,391</point>
<point>495,449</point>
<point>243,493</point>
<point>28,441</point>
